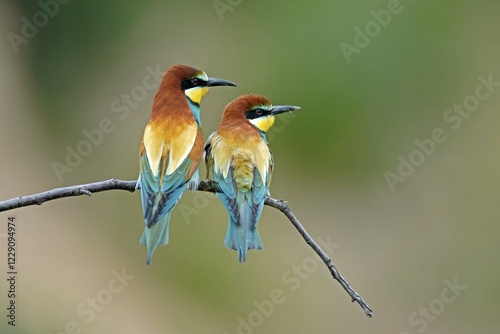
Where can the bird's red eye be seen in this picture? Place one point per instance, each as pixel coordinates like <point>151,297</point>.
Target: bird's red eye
<point>259,111</point>
<point>195,81</point>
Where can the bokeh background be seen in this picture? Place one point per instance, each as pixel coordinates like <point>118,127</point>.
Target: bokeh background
<point>397,247</point>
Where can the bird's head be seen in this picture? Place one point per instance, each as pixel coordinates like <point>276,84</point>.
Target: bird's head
<point>193,82</point>
<point>256,109</point>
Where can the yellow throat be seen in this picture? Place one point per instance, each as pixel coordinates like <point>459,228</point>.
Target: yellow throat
<point>263,123</point>
<point>196,93</point>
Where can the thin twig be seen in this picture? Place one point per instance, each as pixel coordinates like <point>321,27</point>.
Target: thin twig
<point>113,184</point>
<point>283,207</point>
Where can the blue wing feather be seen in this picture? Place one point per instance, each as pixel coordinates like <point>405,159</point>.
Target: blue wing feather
<point>227,193</point>
<point>159,196</point>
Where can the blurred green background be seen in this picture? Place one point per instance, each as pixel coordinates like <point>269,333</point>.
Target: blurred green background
<point>396,248</point>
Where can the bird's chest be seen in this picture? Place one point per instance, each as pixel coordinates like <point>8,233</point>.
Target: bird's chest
<point>169,139</point>
<point>246,159</point>
<point>243,165</point>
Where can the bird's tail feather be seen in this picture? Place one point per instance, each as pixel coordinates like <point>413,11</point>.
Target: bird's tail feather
<point>243,235</point>
<point>156,235</point>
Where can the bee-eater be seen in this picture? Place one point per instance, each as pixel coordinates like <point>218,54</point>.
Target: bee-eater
<point>171,149</point>
<point>240,163</point>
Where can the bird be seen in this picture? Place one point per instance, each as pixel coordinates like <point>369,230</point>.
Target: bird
<point>240,165</point>
<point>171,149</point>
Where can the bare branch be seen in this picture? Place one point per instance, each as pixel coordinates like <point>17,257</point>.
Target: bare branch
<point>83,189</point>
<point>113,184</point>
<point>283,207</point>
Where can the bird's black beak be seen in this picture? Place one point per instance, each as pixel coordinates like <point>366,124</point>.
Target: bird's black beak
<point>281,109</point>
<point>219,82</point>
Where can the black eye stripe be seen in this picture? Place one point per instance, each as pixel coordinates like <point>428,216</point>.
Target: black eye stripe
<point>256,113</point>
<point>192,82</point>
